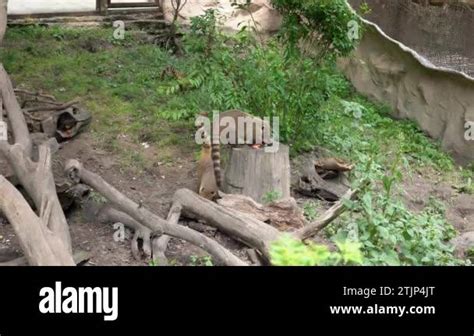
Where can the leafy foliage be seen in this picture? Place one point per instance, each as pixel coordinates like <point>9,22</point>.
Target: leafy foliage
<point>389,233</point>
<point>201,261</point>
<point>291,252</point>
<point>271,197</point>
<point>470,254</point>
<point>392,235</point>
<point>326,24</point>
<point>222,68</point>
<point>309,211</point>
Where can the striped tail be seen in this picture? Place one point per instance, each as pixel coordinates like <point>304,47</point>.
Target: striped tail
<point>216,159</point>
<point>214,143</point>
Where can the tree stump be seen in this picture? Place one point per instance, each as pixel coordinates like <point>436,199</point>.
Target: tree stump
<point>254,172</point>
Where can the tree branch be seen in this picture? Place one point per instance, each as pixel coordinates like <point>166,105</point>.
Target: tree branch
<point>330,215</point>
<point>160,244</point>
<point>76,172</point>
<point>109,214</point>
<point>240,226</point>
<point>15,114</point>
<point>45,237</point>
<point>38,180</point>
<point>39,244</point>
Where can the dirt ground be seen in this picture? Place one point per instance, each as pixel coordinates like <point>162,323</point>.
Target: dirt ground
<point>155,188</point>
<point>418,189</point>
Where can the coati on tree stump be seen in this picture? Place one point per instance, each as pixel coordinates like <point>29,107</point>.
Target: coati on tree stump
<point>234,128</point>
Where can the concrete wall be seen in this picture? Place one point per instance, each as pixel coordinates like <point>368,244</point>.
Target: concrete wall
<point>231,19</point>
<point>441,101</point>
<point>444,35</point>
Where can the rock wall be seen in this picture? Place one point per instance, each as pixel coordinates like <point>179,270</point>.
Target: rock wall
<point>441,34</point>
<point>441,101</point>
<point>231,19</point>
<point>445,2</point>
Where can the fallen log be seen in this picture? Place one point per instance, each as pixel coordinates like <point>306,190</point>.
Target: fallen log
<point>36,177</point>
<point>317,175</point>
<point>160,244</point>
<point>38,180</point>
<point>109,214</point>
<point>44,237</point>
<point>40,246</point>
<point>327,218</point>
<point>284,214</point>
<point>248,230</point>
<point>77,172</point>
<point>240,226</point>
<point>15,114</point>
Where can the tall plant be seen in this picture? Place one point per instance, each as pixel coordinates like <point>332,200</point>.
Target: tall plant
<point>325,27</point>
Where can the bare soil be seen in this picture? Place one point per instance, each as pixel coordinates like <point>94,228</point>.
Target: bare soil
<point>154,187</point>
<point>418,189</point>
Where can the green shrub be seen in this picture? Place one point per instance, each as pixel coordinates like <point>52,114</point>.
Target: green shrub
<point>389,233</point>
<point>326,24</point>
<point>291,252</point>
<point>309,211</point>
<point>271,197</point>
<point>223,69</point>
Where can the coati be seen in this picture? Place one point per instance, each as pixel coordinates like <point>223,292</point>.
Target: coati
<point>207,187</point>
<point>234,128</point>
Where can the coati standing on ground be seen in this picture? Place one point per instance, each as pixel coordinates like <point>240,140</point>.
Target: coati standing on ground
<point>259,135</point>
<point>207,187</point>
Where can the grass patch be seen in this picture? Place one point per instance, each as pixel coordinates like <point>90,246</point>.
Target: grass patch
<point>116,80</point>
